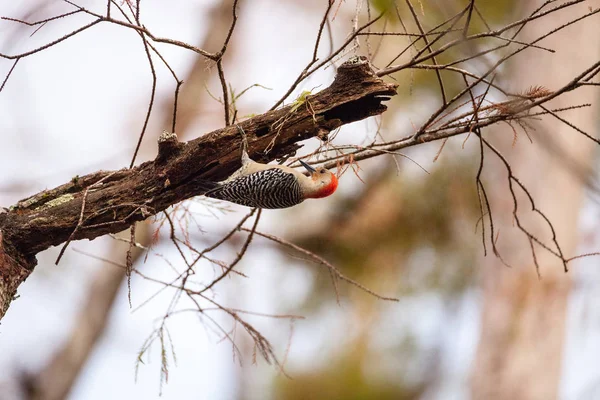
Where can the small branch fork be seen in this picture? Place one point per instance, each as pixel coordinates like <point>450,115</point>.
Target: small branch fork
<point>81,220</point>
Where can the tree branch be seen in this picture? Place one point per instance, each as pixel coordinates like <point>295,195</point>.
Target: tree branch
<point>180,171</point>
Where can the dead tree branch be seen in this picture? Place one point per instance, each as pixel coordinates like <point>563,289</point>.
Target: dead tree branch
<point>179,172</point>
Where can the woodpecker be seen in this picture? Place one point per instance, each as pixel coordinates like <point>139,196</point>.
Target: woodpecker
<point>272,186</point>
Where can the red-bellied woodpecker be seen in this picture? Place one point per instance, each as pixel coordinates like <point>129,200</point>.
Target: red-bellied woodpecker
<point>272,186</point>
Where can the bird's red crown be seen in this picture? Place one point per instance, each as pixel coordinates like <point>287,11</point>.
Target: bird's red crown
<point>329,189</point>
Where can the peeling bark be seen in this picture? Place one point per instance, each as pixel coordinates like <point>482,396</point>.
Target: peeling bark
<point>110,201</point>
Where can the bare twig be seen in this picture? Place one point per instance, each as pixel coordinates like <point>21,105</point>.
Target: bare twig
<point>336,273</point>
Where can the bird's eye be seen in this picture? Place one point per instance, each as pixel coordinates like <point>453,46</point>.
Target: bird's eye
<point>322,170</point>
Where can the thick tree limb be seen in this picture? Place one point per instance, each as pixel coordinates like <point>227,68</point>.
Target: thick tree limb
<point>86,208</point>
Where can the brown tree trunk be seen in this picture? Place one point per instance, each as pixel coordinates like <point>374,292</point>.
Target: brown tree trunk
<point>56,379</point>
<point>523,320</point>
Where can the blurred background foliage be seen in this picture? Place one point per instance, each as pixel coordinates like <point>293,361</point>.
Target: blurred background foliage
<point>405,237</point>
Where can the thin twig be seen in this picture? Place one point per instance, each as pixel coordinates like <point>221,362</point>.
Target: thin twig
<point>337,273</point>
<point>80,221</point>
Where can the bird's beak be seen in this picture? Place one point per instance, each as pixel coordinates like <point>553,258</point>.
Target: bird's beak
<point>308,167</point>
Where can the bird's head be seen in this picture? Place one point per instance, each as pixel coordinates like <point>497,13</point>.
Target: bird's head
<point>323,182</point>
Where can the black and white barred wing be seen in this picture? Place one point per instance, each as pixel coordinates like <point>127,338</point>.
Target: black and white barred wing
<point>271,188</point>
